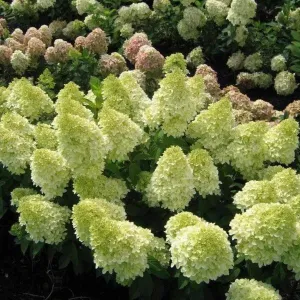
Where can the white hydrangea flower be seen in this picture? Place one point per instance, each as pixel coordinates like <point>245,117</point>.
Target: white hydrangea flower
<point>202,252</point>
<point>19,61</point>
<point>250,289</point>
<point>285,83</point>
<point>83,6</point>
<point>171,184</point>
<point>206,175</point>
<point>236,61</point>
<point>278,63</point>
<point>121,247</point>
<point>44,221</point>
<point>45,4</point>
<point>217,10</point>
<point>111,189</point>
<point>49,171</point>
<point>122,134</point>
<point>264,232</point>
<point>241,11</point>
<point>282,141</point>
<point>88,211</point>
<point>286,184</point>
<point>255,192</point>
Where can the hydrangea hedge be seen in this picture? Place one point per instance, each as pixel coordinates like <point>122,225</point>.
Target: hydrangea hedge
<point>122,160</point>
<point>145,185</point>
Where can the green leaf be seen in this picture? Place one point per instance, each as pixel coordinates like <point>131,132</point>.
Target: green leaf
<point>95,84</point>
<point>3,208</point>
<point>156,269</point>
<point>182,282</point>
<point>113,168</point>
<point>64,261</point>
<point>279,273</point>
<point>295,68</point>
<point>51,252</point>
<point>24,245</point>
<point>295,50</point>
<point>146,285</point>
<point>134,291</point>
<point>134,171</point>
<point>254,270</point>
<point>239,260</point>
<point>296,35</point>
<point>36,248</point>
